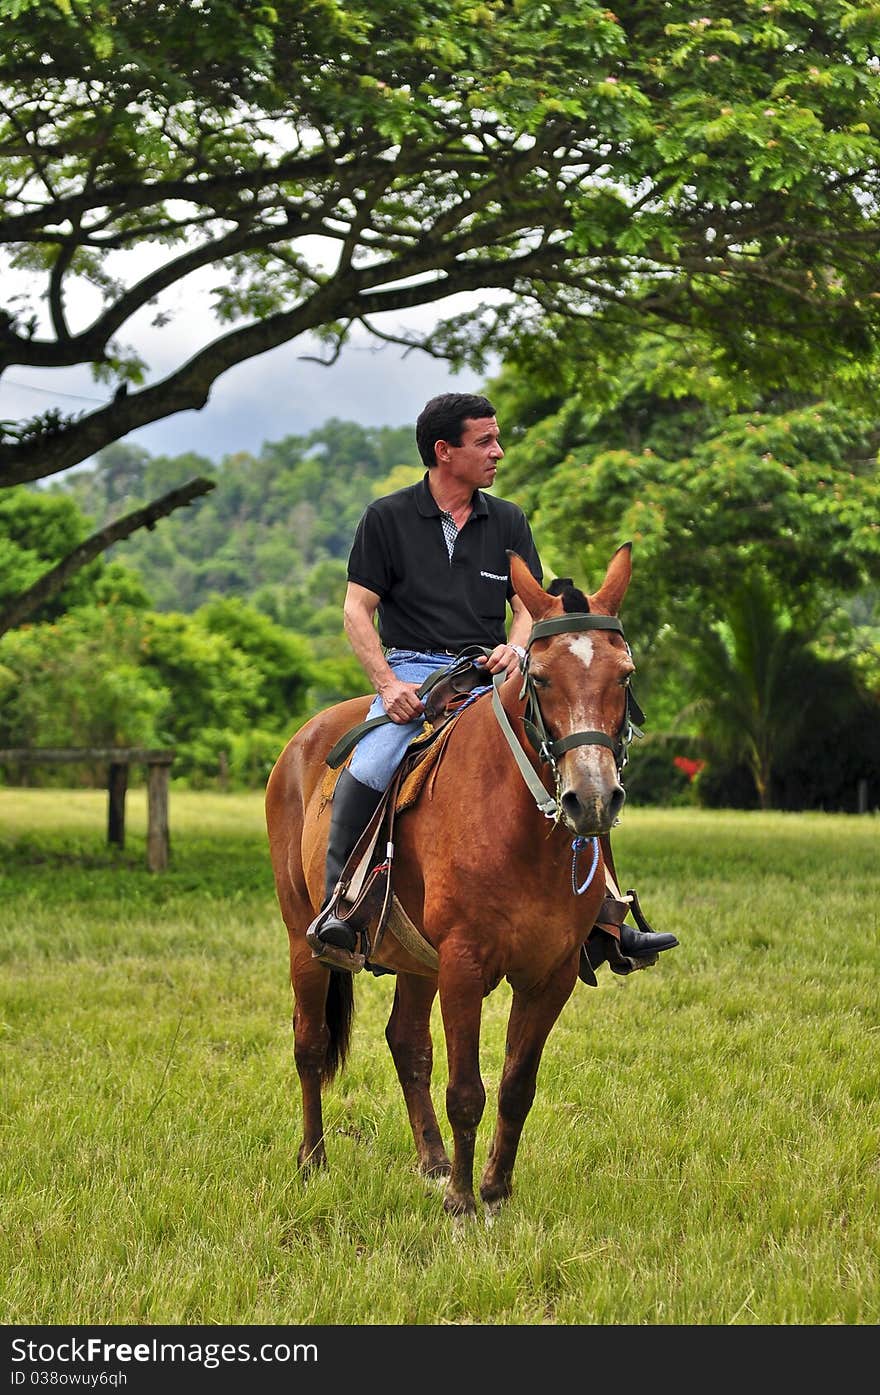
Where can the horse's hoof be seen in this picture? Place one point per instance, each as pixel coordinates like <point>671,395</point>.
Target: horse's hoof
<point>308,1164</point>
<point>437,1176</point>
<point>462,1222</point>
<point>461,1211</point>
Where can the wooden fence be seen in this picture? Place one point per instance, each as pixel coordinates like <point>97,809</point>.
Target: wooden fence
<point>118,759</point>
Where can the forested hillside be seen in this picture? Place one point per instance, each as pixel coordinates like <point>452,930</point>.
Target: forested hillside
<point>219,631</point>
<point>752,612</point>
<point>273,518</point>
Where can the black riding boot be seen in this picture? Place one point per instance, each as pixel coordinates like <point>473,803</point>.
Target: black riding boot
<point>353,806</point>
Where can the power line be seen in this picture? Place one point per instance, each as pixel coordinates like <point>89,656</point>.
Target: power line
<point>48,392</point>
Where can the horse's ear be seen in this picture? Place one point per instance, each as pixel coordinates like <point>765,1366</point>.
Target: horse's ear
<point>610,595</point>
<point>532,594</point>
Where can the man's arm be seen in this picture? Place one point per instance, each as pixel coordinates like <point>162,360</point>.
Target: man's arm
<point>521,624</point>
<point>504,656</point>
<point>399,699</point>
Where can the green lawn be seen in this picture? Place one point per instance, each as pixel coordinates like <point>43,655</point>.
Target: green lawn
<point>703,1148</point>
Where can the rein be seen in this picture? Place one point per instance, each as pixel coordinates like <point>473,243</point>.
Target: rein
<point>546,748</point>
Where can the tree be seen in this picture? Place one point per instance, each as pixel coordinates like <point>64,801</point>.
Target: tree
<point>270,521</point>
<point>707,478</point>
<point>39,531</point>
<point>756,666</point>
<point>799,726</point>
<point>225,686</point>
<point>753,520</point>
<point>53,582</point>
<point>610,168</point>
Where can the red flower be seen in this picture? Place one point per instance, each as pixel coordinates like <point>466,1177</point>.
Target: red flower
<point>690,767</point>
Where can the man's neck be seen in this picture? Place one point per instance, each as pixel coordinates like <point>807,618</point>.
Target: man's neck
<point>450,495</point>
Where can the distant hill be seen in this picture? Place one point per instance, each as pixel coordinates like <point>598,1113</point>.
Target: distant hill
<point>271,521</point>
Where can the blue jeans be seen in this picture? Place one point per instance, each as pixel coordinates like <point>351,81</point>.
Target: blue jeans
<point>378,754</point>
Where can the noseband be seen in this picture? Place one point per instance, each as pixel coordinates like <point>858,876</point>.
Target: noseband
<point>546,748</point>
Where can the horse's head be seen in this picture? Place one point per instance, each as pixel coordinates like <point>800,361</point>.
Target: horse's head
<point>580,676</point>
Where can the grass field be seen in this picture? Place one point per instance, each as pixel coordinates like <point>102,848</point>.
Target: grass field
<point>703,1148</point>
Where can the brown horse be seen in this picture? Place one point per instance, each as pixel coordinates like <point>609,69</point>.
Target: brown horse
<point>488,880</point>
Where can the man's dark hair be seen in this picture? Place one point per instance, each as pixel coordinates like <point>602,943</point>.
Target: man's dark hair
<point>443,418</point>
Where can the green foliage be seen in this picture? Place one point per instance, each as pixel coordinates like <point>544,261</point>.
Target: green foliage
<point>224,687</point>
<point>80,682</point>
<point>758,679</point>
<point>268,529</point>
<point>793,489</point>
<point>571,163</point>
<point>228,683</point>
<point>231,670</point>
<point>36,530</point>
<point>652,778</point>
<point>703,487</point>
<point>281,659</point>
<point>754,521</point>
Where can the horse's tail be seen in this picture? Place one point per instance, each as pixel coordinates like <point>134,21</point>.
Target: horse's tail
<point>339,1013</point>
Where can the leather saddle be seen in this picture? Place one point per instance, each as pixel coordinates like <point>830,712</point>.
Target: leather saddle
<point>364,895</point>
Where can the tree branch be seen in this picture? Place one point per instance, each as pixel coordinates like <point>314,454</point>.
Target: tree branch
<point>52,581</point>
<point>189,387</point>
<point>90,345</point>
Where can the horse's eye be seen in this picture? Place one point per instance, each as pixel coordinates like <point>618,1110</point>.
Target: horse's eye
<point>539,681</point>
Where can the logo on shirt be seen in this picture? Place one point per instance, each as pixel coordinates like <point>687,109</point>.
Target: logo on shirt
<point>493,576</point>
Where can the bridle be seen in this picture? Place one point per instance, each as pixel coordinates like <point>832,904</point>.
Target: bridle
<point>546,747</point>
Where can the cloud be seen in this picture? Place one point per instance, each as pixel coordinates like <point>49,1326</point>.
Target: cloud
<point>265,399</point>
<point>278,395</point>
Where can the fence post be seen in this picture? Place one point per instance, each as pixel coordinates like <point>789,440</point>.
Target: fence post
<point>157,817</point>
<point>862,796</point>
<point>117,784</point>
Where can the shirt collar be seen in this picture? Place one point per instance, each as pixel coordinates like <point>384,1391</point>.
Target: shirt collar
<point>427,504</point>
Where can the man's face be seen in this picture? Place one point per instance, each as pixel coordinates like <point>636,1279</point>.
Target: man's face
<point>475,461</point>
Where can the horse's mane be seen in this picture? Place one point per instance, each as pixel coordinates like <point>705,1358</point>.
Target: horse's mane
<point>574,602</point>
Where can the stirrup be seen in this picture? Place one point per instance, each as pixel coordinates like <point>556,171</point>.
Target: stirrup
<point>349,960</point>
<point>618,962</point>
<point>637,916</point>
<point>338,957</point>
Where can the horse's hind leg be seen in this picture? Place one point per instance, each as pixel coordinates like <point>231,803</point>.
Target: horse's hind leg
<point>409,1038</point>
<point>311,1045</point>
<point>532,1016</point>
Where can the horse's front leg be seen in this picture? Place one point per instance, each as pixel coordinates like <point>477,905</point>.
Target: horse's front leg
<point>461,1003</point>
<point>409,1038</point>
<point>532,1016</point>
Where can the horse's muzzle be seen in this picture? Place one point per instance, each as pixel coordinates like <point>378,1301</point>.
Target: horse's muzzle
<point>590,815</point>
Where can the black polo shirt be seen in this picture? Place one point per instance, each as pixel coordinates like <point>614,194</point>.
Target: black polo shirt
<point>427,601</point>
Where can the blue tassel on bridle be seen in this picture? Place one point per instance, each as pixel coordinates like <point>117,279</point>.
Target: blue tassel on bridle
<point>577,846</point>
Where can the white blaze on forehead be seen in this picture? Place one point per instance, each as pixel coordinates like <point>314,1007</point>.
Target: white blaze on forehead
<point>591,767</point>
<point>582,647</point>
<point>589,760</point>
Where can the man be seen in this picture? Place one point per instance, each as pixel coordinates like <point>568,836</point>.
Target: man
<point>432,561</point>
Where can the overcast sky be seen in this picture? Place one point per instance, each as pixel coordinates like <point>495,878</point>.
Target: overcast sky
<point>264,399</point>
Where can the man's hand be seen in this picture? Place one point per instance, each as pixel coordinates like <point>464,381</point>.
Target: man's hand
<point>503,656</point>
<point>400,700</point>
